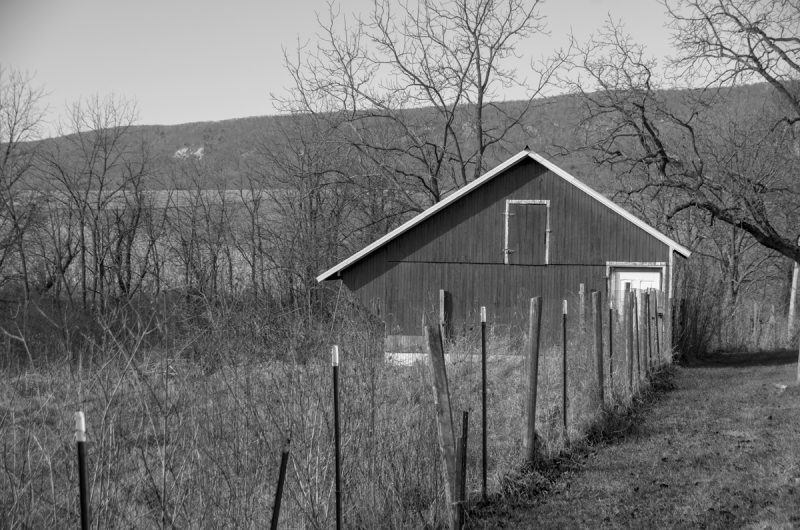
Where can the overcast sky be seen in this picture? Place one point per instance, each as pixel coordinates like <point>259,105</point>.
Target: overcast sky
<point>197,60</point>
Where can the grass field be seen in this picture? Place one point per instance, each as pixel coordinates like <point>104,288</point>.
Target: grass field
<point>186,419</point>
<point>713,446</point>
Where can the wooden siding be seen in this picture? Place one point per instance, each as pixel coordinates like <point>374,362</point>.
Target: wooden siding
<point>413,290</point>
<point>367,280</point>
<point>471,230</point>
<point>460,249</point>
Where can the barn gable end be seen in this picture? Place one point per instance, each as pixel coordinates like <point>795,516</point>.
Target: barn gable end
<point>524,229</point>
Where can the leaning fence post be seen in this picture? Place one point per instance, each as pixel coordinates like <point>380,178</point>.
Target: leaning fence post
<point>444,419</point>
<point>597,315</point>
<point>83,474</point>
<point>276,506</point>
<point>484,451</point>
<point>337,435</point>
<point>534,329</point>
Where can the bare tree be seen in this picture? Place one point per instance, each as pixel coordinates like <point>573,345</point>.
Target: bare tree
<point>710,149</point>
<point>21,116</point>
<point>412,87</point>
<point>249,238</point>
<point>97,170</point>
<point>730,42</point>
<point>313,208</point>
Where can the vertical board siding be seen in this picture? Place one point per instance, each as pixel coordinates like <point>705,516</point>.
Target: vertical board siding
<point>471,230</point>
<point>460,249</point>
<point>368,281</point>
<point>506,290</point>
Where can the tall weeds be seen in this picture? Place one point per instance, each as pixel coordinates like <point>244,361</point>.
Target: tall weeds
<point>187,412</point>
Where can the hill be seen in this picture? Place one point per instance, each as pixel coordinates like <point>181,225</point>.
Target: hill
<point>553,127</point>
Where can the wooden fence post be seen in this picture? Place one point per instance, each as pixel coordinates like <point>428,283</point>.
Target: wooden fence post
<point>659,321</point>
<point>798,363</point>
<point>682,319</point>
<point>445,311</point>
<point>756,324</point>
<point>582,305</point>
<point>649,332</point>
<point>640,334</point>
<point>597,314</point>
<point>637,333</point>
<point>534,329</point>
<point>669,320</point>
<point>793,299</point>
<point>628,312</point>
<point>461,468</point>
<point>610,349</point>
<point>444,419</point>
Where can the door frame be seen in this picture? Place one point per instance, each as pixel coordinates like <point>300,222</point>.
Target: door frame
<point>507,214</point>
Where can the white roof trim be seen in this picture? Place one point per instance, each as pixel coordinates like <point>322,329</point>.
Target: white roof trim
<point>674,245</point>
<point>422,216</point>
<point>482,180</point>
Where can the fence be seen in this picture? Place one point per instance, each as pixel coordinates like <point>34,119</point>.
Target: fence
<point>646,325</point>
<point>170,443</point>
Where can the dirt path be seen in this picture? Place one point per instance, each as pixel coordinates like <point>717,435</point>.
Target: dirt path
<point>719,450</point>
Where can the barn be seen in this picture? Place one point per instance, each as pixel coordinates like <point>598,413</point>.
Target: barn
<point>526,228</point>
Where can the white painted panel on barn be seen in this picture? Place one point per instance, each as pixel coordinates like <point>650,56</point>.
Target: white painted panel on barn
<point>639,278</point>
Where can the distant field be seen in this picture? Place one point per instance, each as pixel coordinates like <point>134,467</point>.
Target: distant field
<point>159,198</point>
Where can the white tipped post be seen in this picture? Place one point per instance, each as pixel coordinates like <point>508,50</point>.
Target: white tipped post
<point>83,484</point>
<point>483,403</point>
<point>337,436</point>
<point>335,356</point>
<point>80,427</point>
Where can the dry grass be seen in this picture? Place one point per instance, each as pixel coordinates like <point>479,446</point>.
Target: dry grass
<point>187,417</point>
<point>717,451</point>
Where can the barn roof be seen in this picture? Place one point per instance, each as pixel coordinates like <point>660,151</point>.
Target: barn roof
<point>514,160</point>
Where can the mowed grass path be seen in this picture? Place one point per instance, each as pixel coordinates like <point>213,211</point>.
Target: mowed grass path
<point>719,450</point>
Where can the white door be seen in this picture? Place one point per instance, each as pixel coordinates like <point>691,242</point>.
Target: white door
<point>639,278</point>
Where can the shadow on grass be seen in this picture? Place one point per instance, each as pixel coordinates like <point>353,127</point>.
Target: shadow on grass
<point>743,359</point>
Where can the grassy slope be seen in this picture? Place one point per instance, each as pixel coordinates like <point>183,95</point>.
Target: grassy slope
<point>718,451</point>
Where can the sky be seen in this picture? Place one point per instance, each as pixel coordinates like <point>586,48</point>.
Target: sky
<point>197,60</point>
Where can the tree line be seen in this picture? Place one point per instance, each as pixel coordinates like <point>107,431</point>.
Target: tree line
<point>388,113</point>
